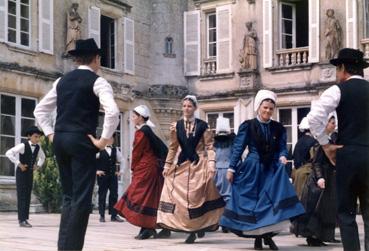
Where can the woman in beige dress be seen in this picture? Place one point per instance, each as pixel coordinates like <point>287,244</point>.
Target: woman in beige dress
<point>190,201</point>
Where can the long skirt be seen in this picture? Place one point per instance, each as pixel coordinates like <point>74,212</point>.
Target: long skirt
<point>222,184</point>
<point>190,202</point>
<point>140,202</point>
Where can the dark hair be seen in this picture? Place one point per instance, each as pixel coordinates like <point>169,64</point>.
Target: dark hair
<point>85,59</point>
<point>352,69</point>
<point>145,118</point>
<point>192,102</point>
<point>268,100</point>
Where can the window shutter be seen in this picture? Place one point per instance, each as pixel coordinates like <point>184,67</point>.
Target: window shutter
<point>129,46</point>
<point>313,31</point>
<point>94,24</point>
<point>3,20</point>
<point>46,26</point>
<point>267,34</point>
<point>351,24</point>
<point>224,38</point>
<point>192,43</point>
<point>240,113</point>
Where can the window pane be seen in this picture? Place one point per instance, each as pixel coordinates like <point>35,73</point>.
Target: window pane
<point>212,35</point>
<point>12,23</point>
<point>26,123</point>
<point>24,25</point>
<point>12,36</point>
<point>286,11</point>
<point>301,113</point>
<point>7,125</point>
<point>12,7</point>
<point>6,167</point>
<point>212,21</point>
<point>28,106</point>
<point>6,143</point>
<point>285,116</point>
<point>212,120</point>
<point>24,39</point>
<point>25,1</point>
<point>25,11</point>
<point>230,116</point>
<point>287,27</point>
<point>212,50</point>
<point>289,134</point>
<point>7,105</point>
<point>286,41</point>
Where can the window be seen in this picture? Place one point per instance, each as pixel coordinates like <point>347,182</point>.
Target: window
<point>168,46</point>
<point>211,118</point>
<point>19,22</point>
<point>107,38</point>
<point>291,118</point>
<point>366,9</point>
<point>16,115</point>
<point>211,35</point>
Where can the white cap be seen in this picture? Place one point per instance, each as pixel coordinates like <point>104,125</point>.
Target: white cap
<point>192,97</point>
<point>333,114</point>
<point>262,95</point>
<point>304,124</point>
<point>223,126</point>
<point>144,111</point>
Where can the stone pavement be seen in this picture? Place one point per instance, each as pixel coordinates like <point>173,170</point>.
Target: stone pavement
<point>112,236</point>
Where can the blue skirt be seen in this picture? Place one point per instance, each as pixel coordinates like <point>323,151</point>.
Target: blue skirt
<point>222,184</point>
<point>261,197</point>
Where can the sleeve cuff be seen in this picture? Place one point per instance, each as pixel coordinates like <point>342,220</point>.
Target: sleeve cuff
<point>231,170</point>
<point>323,139</point>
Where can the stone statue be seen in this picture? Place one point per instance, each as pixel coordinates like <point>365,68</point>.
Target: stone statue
<point>248,52</point>
<point>333,34</point>
<point>74,28</point>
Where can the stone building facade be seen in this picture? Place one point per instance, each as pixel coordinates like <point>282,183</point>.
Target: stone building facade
<point>157,51</point>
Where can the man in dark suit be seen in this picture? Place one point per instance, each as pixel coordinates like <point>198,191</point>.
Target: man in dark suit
<point>77,97</point>
<point>350,98</point>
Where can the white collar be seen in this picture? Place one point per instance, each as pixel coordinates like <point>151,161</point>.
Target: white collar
<point>138,127</point>
<point>30,143</point>
<point>85,67</point>
<point>192,119</point>
<point>355,77</point>
<point>266,122</point>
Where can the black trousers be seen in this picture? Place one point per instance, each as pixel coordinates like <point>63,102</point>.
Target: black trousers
<point>24,182</point>
<point>76,158</point>
<point>108,182</point>
<point>352,183</point>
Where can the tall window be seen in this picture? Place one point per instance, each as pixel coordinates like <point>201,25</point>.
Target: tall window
<point>107,38</point>
<point>16,115</point>
<point>212,119</point>
<point>211,35</point>
<point>168,45</point>
<point>19,22</point>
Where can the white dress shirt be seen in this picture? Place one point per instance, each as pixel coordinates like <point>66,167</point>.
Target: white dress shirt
<point>102,90</point>
<point>13,152</point>
<point>318,115</point>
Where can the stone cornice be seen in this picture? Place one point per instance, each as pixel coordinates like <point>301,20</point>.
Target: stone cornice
<point>118,3</point>
<point>30,71</point>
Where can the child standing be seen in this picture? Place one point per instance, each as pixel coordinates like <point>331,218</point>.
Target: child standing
<point>31,157</point>
<point>107,179</point>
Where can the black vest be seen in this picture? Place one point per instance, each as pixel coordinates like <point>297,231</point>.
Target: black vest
<point>107,163</point>
<point>77,104</point>
<point>28,157</point>
<point>353,113</point>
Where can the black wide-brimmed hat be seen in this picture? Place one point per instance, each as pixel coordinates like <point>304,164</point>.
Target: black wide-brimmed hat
<point>351,57</point>
<point>85,47</point>
<point>32,130</point>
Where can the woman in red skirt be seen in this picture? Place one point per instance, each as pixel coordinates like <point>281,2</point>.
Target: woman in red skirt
<point>140,202</point>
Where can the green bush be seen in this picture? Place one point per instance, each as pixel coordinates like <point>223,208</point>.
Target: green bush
<point>47,186</point>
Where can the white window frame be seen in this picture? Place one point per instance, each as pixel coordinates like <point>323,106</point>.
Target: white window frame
<point>18,24</point>
<point>293,24</point>
<point>207,35</point>
<point>115,41</point>
<point>18,120</point>
<point>220,114</point>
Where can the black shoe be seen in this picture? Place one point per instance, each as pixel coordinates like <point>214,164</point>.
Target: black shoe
<point>163,234</point>
<point>258,244</point>
<point>24,224</point>
<point>116,219</point>
<point>139,233</point>
<point>314,242</point>
<point>225,230</point>
<point>102,219</point>
<point>200,234</point>
<point>146,234</point>
<point>269,241</point>
<point>334,241</point>
<point>191,238</point>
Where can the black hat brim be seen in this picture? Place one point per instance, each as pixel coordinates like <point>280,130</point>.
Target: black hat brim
<point>339,61</point>
<point>77,53</point>
<point>32,131</point>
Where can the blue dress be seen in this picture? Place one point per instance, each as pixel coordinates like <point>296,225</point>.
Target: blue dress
<point>262,195</point>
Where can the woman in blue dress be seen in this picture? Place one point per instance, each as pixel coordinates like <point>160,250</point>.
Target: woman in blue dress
<point>262,199</point>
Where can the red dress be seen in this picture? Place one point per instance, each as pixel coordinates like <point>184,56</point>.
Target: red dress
<point>140,202</point>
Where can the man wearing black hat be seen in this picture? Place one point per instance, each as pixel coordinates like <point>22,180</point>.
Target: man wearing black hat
<point>30,158</point>
<point>350,98</point>
<point>77,97</point>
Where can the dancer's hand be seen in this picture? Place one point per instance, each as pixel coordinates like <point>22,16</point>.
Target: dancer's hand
<point>100,173</point>
<point>99,143</point>
<point>165,171</point>
<point>321,183</point>
<point>51,137</point>
<point>23,167</point>
<point>330,151</point>
<point>283,160</point>
<point>230,176</point>
<point>211,167</point>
